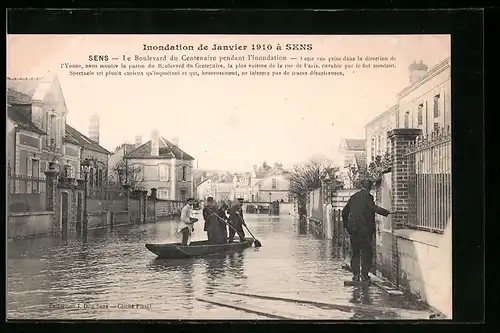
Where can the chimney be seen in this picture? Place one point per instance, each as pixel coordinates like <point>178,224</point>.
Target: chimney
<point>138,141</point>
<point>94,128</point>
<point>155,143</point>
<point>417,71</point>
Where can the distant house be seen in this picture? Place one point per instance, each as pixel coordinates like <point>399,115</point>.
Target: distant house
<point>241,183</point>
<point>353,152</point>
<point>270,185</point>
<point>205,189</point>
<point>378,144</point>
<point>225,188</point>
<point>163,166</point>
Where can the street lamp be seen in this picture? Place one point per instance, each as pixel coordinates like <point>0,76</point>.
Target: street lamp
<point>328,187</point>
<point>86,164</point>
<point>270,195</point>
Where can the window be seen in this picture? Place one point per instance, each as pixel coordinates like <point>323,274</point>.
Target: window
<point>163,194</point>
<point>35,173</point>
<point>436,106</point>
<point>67,170</point>
<point>163,172</point>
<point>373,149</point>
<point>101,178</point>
<point>274,184</point>
<point>420,119</point>
<point>253,197</point>
<point>388,144</point>
<point>436,127</point>
<point>183,195</point>
<point>379,145</point>
<point>407,119</point>
<point>184,173</point>
<point>91,177</point>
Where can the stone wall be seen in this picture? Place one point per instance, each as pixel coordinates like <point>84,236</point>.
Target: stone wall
<point>22,225</point>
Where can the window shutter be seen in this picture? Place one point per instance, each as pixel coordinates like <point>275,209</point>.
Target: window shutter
<point>58,131</point>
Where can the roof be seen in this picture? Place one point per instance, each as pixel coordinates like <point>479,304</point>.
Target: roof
<point>34,87</point>
<point>360,160</point>
<point>355,144</point>
<point>227,178</point>
<point>20,114</point>
<point>16,97</point>
<point>203,181</point>
<point>260,174</point>
<point>166,150</point>
<point>74,136</point>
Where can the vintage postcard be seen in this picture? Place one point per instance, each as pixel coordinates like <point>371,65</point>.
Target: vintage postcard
<point>229,177</point>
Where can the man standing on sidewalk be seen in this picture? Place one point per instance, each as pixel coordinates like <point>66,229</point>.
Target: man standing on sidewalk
<point>358,216</point>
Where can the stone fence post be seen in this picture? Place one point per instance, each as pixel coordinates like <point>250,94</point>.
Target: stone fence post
<point>401,169</point>
<point>154,195</point>
<point>144,198</point>
<point>51,194</point>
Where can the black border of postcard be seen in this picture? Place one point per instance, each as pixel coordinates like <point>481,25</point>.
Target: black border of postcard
<point>466,29</point>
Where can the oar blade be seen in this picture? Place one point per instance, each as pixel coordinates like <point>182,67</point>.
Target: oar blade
<point>257,243</point>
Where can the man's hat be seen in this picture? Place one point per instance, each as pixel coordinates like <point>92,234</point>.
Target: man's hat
<point>189,199</point>
<point>210,199</point>
<point>240,199</point>
<point>366,183</point>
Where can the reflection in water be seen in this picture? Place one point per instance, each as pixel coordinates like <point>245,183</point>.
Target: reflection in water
<point>236,268</point>
<point>361,295</point>
<point>214,272</point>
<point>110,268</point>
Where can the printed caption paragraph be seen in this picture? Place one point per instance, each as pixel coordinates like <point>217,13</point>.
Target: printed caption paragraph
<point>166,65</point>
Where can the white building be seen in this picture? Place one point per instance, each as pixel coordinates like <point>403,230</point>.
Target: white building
<point>426,102</point>
<point>353,154</point>
<point>377,143</point>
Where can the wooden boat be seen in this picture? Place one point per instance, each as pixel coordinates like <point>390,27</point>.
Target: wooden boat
<point>195,249</point>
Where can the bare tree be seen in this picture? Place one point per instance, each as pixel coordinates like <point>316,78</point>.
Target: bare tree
<point>378,167</point>
<point>355,176</point>
<point>125,173</point>
<point>311,175</point>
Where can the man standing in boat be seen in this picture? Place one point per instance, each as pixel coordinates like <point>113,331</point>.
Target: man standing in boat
<point>222,227</point>
<point>186,224</point>
<point>236,220</point>
<point>211,222</point>
<point>358,216</point>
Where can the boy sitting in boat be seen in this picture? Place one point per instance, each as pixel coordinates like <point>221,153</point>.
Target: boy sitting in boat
<point>186,224</point>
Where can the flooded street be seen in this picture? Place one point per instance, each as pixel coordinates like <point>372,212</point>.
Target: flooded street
<point>113,276</point>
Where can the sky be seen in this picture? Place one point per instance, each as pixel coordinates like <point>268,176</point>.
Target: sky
<point>229,123</point>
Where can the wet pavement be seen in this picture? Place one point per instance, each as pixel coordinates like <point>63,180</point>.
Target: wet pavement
<point>112,275</point>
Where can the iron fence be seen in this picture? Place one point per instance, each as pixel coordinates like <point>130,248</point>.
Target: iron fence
<point>25,194</point>
<point>430,182</point>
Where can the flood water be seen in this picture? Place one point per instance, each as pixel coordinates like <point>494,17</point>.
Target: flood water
<point>112,275</point>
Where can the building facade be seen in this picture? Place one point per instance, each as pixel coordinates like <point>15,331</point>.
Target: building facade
<point>164,166</point>
<point>37,132</point>
<point>426,102</point>
<point>89,149</point>
<point>377,142</point>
